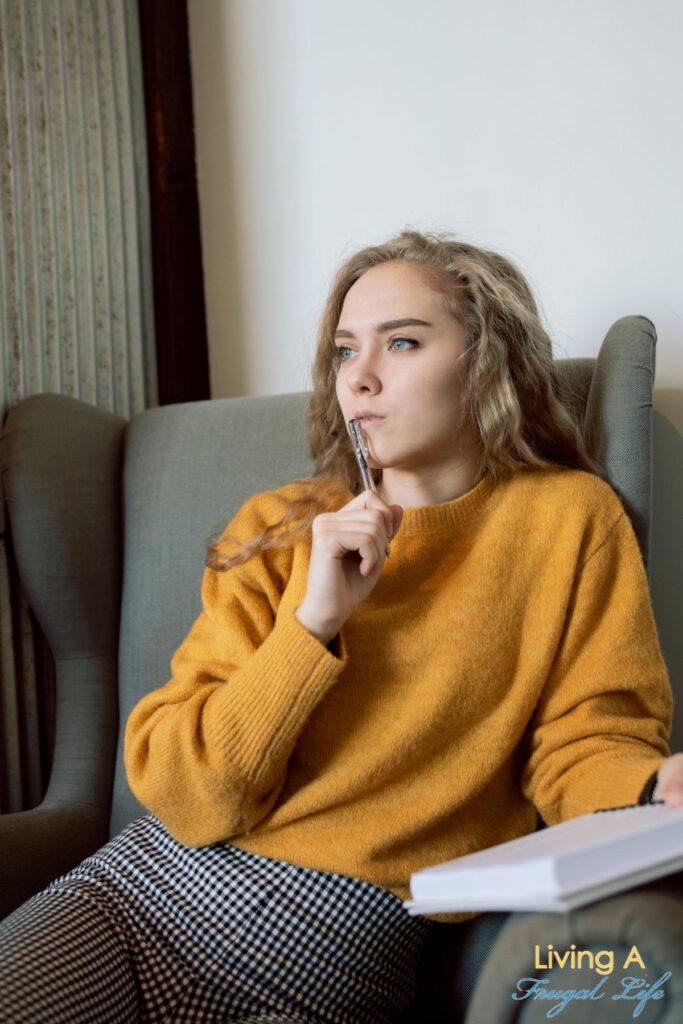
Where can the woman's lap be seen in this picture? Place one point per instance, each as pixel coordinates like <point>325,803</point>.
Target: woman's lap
<point>218,934</point>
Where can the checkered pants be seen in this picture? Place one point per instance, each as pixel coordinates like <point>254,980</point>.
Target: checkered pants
<point>147,929</point>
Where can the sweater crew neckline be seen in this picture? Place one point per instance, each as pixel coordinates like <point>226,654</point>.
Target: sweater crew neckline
<point>446,515</point>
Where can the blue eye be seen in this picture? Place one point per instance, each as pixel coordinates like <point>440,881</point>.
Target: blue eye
<point>345,348</point>
<point>409,340</point>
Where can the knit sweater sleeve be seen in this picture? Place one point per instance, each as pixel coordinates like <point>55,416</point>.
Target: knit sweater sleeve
<point>207,753</point>
<point>602,723</point>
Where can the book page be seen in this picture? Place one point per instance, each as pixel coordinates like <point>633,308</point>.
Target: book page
<point>586,832</point>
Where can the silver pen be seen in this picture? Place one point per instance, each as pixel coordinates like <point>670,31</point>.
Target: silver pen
<point>360,449</point>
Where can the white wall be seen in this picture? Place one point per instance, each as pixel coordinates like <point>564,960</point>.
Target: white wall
<point>545,129</point>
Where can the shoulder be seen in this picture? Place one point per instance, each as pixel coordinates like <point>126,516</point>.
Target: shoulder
<point>570,507</point>
<point>264,508</point>
<point>268,507</point>
<point>283,504</point>
<point>573,491</point>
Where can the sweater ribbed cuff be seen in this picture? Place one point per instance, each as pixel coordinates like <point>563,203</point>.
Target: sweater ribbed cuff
<point>626,782</point>
<point>612,783</point>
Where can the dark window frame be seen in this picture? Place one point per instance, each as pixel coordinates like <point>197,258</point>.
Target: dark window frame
<point>179,308</point>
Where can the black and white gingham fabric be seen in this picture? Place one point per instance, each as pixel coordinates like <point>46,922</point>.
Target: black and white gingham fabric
<point>150,930</point>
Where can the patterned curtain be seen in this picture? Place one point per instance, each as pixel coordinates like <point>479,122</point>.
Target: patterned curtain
<point>76,303</point>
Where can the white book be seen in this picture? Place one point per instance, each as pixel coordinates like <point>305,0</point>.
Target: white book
<point>559,868</point>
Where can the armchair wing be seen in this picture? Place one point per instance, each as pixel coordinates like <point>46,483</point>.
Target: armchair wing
<point>61,465</point>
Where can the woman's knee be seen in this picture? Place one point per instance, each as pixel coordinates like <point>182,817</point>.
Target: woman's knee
<point>64,956</point>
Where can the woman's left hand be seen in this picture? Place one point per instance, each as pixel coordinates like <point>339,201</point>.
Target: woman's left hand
<point>669,786</point>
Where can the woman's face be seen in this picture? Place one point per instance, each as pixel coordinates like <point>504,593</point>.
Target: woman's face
<point>411,374</point>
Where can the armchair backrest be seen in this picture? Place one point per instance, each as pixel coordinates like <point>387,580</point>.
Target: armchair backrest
<point>107,515</point>
<point>188,468</point>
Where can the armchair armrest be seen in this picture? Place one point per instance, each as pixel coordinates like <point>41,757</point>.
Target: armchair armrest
<point>73,820</point>
<point>37,846</point>
<point>649,917</point>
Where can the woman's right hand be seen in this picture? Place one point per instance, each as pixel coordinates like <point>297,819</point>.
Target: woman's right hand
<point>347,555</point>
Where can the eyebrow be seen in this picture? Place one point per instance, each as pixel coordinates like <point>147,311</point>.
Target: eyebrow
<point>390,325</point>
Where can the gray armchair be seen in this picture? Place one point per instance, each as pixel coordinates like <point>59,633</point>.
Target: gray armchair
<point>109,521</point>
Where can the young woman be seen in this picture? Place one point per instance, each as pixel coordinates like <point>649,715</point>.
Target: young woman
<point>378,681</point>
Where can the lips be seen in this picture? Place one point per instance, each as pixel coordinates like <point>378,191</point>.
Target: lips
<point>367,421</point>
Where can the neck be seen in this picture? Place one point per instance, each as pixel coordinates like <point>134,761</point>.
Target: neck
<point>410,490</point>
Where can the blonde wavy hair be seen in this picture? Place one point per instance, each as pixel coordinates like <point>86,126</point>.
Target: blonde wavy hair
<point>511,393</point>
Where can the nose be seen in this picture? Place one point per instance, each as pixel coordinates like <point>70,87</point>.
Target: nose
<point>363,375</point>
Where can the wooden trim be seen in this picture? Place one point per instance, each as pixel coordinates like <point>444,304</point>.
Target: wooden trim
<point>179,310</point>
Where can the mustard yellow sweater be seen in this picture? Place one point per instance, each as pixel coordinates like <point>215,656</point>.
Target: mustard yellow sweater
<point>506,660</point>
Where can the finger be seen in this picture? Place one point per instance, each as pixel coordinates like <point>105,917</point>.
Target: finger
<point>373,516</point>
<point>673,795</point>
<point>373,525</point>
<point>354,537</point>
<point>374,510</point>
<point>670,770</point>
<point>371,556</point>
<point>366,499</point>
<point>670,786</point>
